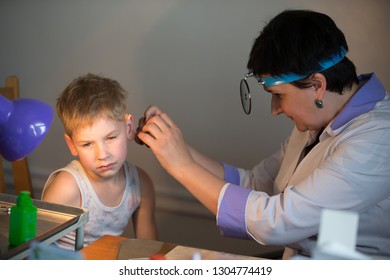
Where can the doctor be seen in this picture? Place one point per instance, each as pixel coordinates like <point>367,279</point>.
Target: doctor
<point>336,157</point>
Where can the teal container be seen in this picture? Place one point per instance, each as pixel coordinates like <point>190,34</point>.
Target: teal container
<point>23,220</point>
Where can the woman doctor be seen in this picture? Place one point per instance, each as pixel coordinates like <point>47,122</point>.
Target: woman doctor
<point>337,156</point>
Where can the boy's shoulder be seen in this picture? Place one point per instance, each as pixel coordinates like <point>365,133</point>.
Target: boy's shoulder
<point>63,175</point>
<point>61,188</point>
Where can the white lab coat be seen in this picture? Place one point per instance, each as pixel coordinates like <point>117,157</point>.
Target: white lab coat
<point>279,201</point>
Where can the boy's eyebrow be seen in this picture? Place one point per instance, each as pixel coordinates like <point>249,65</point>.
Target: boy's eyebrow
<point>108,134</point>
<point>83,141</point>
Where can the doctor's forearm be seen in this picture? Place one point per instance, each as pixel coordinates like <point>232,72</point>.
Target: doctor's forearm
<point>211,165</point>
<point>201,183</point>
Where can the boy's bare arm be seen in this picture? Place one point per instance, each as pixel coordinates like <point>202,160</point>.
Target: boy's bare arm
<point>63,190</point>
<point>144,218</point>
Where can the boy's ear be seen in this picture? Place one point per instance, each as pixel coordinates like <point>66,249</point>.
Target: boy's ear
<point>70,144</point>
<point>130,128</point>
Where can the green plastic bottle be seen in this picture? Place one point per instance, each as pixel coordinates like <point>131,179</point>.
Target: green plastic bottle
<point>23,220</point>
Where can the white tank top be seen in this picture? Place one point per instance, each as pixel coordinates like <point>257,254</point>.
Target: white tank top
<point>101,218</point>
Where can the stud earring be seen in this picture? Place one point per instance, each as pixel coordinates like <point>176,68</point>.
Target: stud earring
<point>319,103</point>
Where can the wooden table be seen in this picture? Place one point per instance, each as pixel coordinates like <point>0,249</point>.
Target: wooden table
<point>105,248</point>
<point>111,247</point>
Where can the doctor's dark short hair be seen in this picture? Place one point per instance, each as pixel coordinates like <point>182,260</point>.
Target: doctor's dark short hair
<point>89,97</point>
<point>295,41</point>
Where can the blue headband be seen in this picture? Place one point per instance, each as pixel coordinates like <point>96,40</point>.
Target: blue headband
<point>291,77</point>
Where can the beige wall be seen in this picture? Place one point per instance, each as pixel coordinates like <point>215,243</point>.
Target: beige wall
<point>185,56</point>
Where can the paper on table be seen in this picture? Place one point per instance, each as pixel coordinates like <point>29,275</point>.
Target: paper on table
<point>187,253</point>
<point>144,249</point>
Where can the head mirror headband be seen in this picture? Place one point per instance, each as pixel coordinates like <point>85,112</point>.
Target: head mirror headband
<point>291,77</point>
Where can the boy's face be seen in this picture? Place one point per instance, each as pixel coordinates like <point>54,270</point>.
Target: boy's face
<point>102,147</point>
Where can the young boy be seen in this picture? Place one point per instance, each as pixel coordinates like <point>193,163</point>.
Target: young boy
<point>97,129</point>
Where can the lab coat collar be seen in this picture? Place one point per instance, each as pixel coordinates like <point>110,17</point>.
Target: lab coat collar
<point>361,102</point>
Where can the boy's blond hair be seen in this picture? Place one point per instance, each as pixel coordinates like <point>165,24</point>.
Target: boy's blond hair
<point>90,97</point>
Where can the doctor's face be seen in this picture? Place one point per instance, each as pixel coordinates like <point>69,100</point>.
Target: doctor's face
<point>297,104</point>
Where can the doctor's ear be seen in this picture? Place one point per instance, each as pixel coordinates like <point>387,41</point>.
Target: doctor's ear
<point>319,82</point>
